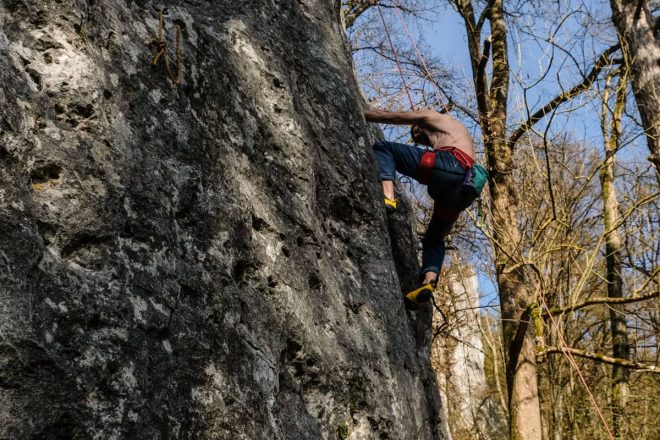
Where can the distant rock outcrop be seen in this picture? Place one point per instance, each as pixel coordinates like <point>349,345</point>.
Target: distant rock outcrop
<point>207,260</point>
<point>471,411</point>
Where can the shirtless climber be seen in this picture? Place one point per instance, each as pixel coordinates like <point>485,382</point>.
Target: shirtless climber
<point>447,171</point>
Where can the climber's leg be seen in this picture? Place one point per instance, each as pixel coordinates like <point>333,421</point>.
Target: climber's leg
<point>391,158</point>
<point>388,189</point>
<point>433,251</point>
<point>430,277</point>
<point>433,254</point>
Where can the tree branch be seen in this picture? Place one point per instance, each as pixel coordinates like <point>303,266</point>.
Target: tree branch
<point>601,358</point>
<point>353,9</point>
<point>603,300</point>
<point>602,61</point>
<point>356,8</point>
<point>484,57</point>
<point>473,31</point>
<point>638,11</point>
<point>484,16</point>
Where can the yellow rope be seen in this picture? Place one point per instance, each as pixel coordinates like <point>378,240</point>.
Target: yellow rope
<point>162,50</point>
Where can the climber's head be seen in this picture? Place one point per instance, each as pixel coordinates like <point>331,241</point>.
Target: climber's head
<point>419,136</point>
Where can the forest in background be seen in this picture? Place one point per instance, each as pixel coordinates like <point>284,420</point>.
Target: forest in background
<point>561,99</point>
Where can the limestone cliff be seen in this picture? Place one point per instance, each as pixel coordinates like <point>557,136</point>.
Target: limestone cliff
<point>202,260</point>
<point>471,411</point>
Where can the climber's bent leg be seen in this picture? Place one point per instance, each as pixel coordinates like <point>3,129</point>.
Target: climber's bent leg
<point>391,158</point>
<point>433,254</point>
<point>432,258</point>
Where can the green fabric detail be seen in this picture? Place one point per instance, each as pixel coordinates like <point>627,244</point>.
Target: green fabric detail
<point>474,183</point>
<point>479,178</point>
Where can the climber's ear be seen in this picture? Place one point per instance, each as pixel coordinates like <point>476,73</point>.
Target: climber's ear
<point>419,136</point>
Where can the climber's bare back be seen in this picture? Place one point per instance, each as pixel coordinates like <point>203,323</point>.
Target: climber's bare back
<point>445,131</point>
<point>438,130</point>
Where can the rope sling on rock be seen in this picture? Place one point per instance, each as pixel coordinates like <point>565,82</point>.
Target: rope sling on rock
<point>162,50</point>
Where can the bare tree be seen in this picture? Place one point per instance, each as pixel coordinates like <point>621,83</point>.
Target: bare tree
<point>547,225</point>
<point>512,265</point>
<point>613,247</point>
<point>639,36</point>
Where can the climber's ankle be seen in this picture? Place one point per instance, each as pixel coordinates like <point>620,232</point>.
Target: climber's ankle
<point>430,278</point>
<point>388,189</point>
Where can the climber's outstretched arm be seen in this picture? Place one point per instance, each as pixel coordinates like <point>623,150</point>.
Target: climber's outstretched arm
<point>416,117</point>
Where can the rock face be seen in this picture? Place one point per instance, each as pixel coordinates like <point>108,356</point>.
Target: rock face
<point>207,260</point>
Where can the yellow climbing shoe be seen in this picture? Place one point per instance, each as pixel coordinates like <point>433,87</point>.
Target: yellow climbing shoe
<point>421,295</point>
<point>390,205</point>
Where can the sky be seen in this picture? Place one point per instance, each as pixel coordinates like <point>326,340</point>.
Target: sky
<point>445,37</point>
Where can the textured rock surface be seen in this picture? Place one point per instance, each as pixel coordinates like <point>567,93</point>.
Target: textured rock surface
<point>203,261</point>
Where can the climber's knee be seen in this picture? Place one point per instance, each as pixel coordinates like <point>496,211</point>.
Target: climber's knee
<point>380,146</point>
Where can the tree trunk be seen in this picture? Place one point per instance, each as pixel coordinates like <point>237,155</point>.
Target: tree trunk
<point>640,41</point>
<point>524,407</point>
<point>613,252</point>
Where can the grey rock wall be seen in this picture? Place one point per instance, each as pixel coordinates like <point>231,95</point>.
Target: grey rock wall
<point>208,260</point>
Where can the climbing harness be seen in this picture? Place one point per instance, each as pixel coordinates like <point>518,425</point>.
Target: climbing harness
<point>475,178</point>
<point>162,50</point>
<point>427,162</point>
